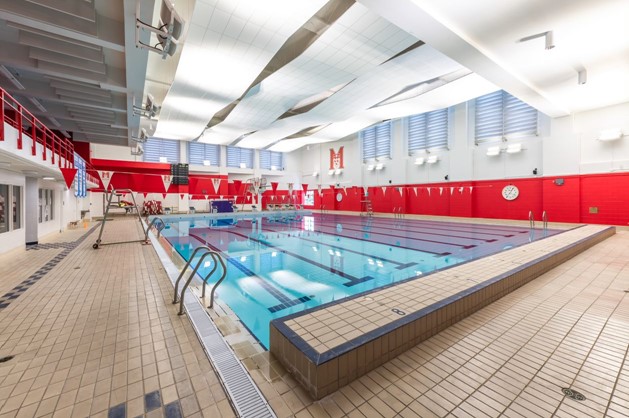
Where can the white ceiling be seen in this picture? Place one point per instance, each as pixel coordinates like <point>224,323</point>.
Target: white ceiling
<point>354,62</point>
<point>74,64</point>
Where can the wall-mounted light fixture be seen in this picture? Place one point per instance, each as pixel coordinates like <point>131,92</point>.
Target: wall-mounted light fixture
<point>432,159</point>
<point>370,167</point>
<point>493,151</point>
<point>610,134</point>
<point>379,166</point>
<point>509,149</point>
<point>582,76</point>
<point>338,171</point>
<point>549,39</point>
<point>315,174</point>
<point>419,160</point>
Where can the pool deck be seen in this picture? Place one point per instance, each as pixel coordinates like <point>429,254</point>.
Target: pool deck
<point>327,347</point>
<point>105,334</point>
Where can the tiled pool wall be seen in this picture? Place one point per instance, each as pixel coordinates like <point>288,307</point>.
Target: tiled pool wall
<point>323,373</point>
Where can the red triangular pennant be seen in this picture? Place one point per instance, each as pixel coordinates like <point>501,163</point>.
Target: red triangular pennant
<point>274,185</point>
<point>68,175</point>
<point>305,187</point>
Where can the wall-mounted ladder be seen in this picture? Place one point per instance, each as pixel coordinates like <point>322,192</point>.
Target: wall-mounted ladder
<point>204,252</point>
<point>110,205</point>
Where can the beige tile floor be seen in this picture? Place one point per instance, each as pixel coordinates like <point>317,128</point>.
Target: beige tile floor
<point>104,333</point>
<point>98,331</point>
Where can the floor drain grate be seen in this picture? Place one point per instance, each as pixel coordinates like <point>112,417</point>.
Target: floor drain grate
<point>5,359</point>
<point>573,394</point>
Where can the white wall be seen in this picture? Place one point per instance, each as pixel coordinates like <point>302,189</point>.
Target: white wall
<point>112,152</point>
<point>565,145</point>
<point>16,238</point>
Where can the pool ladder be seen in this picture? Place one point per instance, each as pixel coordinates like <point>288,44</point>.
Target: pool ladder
<point>544,220</point>
<point>156,223</point>
<point>205,252</point>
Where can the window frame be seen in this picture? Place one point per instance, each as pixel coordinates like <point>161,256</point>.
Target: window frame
<point>502,117</point>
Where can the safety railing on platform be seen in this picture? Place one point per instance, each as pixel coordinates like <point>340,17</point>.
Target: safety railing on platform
<point>205,252</point>
<point>15,115</point>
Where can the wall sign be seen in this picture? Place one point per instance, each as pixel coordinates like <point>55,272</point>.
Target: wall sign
<point>336,159</point>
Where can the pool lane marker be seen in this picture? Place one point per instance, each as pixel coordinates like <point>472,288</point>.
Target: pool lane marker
<point>399,266</point>
<point>285,301</point>
<point>351,280</point>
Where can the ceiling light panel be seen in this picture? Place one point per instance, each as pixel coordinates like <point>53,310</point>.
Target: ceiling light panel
<point>222,63</point>
<point>338,56</point>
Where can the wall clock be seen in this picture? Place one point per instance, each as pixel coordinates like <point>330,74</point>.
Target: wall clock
<point>510,192</point>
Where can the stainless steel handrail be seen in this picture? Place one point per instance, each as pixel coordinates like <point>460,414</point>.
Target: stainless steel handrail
<point>545,220</point>
<point>159,227</point>
<point>531,219</point>
<point>217,283</point>
<point>196,250</point>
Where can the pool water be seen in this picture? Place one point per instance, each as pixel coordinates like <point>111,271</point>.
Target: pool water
<point>279,267</point>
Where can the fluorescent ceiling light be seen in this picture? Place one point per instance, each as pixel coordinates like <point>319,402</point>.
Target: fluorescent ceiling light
<point>432,159</point>
<point>419,160</point>
<point>514,148</point>
<point>610,134</point>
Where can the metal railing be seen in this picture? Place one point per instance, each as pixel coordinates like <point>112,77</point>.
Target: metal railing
<point>179,297</point>
<point>15,115</point>
<point>159,225</point>
<point>531,220</point>
<point>118,192</point>
<point>545,220</point>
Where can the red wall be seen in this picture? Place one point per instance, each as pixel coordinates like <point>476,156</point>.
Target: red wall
<point>569,202</point>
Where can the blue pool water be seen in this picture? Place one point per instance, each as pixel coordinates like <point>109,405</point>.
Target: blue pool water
<point>279,267</point>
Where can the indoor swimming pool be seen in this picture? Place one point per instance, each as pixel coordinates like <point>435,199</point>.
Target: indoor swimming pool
<point>281,266</point>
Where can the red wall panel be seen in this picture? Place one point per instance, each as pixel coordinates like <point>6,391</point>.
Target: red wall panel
<point>562,202</point>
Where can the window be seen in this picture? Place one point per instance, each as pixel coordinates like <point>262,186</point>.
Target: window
<point>4,200</point>
<point>17,207</point>
<point>376,141</point>
<point>239,157</point>
<point>161,151</point>
<point>309,198</point>
<point>270,160</point>
<point>499,116</point>
<point>428,130</point>
<point>46,205</point>
<point>80,183</point>
<point>199,153</point>
<point>10,195</point>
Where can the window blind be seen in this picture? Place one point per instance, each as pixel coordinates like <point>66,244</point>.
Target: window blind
<point>499,115</point>
<point>236,156</point>
<point>270,159</point>
<point>428,130</point>
<point>376,141</point>
<point>199,152</point>
<point>155,148</point>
